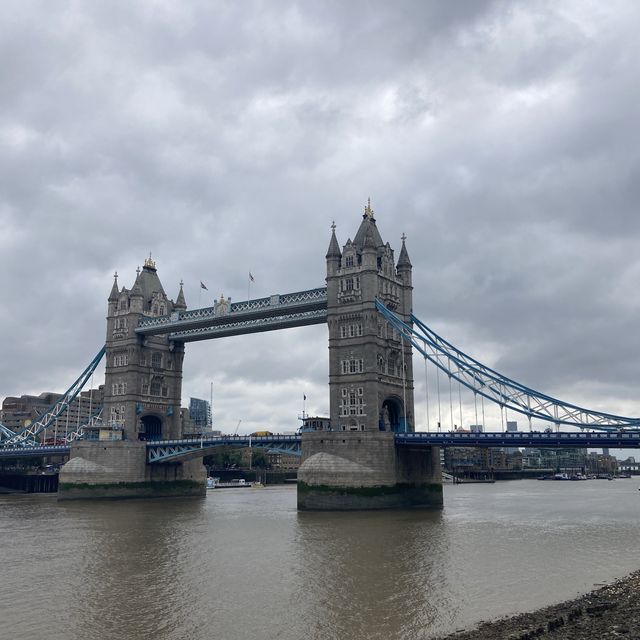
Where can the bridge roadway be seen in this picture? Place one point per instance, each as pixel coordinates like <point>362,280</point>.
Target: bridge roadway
<point>168,450</point>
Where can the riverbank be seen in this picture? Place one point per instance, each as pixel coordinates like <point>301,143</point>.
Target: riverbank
<point>612,611</point>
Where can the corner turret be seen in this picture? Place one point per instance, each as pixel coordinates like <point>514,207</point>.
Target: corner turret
<point>333,253</point>
<point>404,266</point>
<point>180,304</point>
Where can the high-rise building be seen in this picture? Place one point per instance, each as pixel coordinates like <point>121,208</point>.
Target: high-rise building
<point>200,413</point>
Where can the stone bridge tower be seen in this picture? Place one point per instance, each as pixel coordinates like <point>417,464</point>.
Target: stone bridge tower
<point>370,368</point>
<point>357,465</point>
<point>143,385</point>
<point>143,380</point>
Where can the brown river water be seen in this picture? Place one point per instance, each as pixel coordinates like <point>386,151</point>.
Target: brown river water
<point>243,563</point>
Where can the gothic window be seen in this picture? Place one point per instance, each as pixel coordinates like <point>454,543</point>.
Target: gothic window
<point>349,261</point>
<point>162,310</point>
<point>123,305</point>
<point>154,310</point>
<point>357,282</point>
<point>156,360</point>
<point>343,331</point>
<point>155,387</point>
<point>145,387</point>
<point>119,388</point>
<point>120,360</point>
<point>165,391</point>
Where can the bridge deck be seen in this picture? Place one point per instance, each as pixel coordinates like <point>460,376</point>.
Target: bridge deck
<point>158,451</point>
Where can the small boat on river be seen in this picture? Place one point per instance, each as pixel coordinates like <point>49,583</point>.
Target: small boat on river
<point>214,483</point>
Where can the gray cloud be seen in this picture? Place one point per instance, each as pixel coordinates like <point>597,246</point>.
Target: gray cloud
<point>225,138</point>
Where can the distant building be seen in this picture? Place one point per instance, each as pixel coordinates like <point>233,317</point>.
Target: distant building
<point>200,413</point>
<point>512,426</point>
<point>20,412</point>
<point>476,428</point>
<point>480,461</point>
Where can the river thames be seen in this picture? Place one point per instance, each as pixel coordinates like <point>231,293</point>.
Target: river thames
<point>243,563</point>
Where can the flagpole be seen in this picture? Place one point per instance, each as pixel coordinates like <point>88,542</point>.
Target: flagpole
<point>249,287</point>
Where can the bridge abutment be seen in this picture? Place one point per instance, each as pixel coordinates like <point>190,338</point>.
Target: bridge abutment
<point>366,470</point>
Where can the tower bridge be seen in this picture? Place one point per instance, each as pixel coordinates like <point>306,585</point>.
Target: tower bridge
<point>371,455</point>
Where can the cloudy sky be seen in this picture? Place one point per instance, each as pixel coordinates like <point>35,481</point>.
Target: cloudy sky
<point>225,137</point>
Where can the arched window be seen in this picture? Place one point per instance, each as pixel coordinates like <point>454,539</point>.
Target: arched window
<point>155,387</point>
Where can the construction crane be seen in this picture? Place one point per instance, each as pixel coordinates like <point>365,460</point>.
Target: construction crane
<point>235,433</point>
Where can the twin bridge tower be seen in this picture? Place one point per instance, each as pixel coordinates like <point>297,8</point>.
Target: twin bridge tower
<point>354,464</point>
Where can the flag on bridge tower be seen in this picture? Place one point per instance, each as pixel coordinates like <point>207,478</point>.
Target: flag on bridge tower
<point>251,277</point>
<point>203,286</point>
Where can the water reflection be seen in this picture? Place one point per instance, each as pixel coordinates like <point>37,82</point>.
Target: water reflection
<point>131,583</point>
<point>374,574</point>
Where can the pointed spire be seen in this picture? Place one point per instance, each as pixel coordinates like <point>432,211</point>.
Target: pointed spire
<point>334,248</point>
<point>403,260</point>
<point>180,302</point>
<point>114,289</point>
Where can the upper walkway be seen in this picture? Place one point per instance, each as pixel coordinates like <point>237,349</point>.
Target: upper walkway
<point>279,311</point>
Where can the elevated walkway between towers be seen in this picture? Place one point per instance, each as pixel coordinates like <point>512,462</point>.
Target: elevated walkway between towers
<point>279,311</point>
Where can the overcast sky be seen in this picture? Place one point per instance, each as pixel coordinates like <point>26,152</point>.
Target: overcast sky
<point>225,137</point>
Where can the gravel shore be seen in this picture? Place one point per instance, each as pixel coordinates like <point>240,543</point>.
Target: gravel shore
<point>612,611</point>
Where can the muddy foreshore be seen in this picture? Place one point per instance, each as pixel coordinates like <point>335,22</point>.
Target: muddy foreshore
<point>612,611</point>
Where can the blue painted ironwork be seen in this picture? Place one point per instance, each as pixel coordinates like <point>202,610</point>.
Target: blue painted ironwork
<point>170,450</point>
<point>537,439</point>
<point>496,387</point>
<point>278,311</point>
<point>5,432</point>
<point>173,450</point>
<point>36,451</point>
<point>254,325</point>
<point>26,437</point>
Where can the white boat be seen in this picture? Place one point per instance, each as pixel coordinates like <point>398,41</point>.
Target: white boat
<point>214,483</point>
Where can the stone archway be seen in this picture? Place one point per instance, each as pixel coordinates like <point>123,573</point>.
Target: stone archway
<point>392,415</point>
<point>150,428</point>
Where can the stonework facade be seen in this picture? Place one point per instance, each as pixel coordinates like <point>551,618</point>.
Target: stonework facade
<point>143,377</point>
<point>370,368</point>
<point>143,386</point>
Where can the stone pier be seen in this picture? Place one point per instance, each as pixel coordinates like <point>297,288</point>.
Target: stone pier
<point>364,470</point>
<point>118,469</point>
